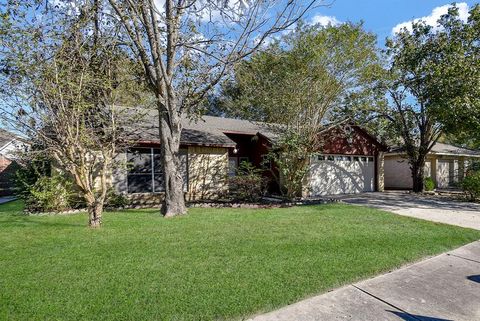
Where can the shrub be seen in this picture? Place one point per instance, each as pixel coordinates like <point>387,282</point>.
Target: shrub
<point>116,200</point>
<point>429,184</point>
<point>471,185</point>
<point>248,184</point>
<point>49,194</point>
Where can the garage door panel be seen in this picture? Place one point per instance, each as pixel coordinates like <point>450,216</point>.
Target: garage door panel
<point>341,177</point>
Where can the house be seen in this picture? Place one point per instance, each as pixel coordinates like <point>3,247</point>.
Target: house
<point>445,164</point>
<point>213,147</point>
<point>10,144</point>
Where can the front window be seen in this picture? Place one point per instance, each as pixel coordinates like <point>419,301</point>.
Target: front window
<point>145,173</point>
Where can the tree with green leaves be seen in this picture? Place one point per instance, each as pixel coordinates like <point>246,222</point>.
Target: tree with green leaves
<point>432,84</point>
<point>61,79</point>
<point>301,81</point>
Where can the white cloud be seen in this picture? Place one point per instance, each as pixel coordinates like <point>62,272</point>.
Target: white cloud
<point>325,20</point>
<point>432,19</point>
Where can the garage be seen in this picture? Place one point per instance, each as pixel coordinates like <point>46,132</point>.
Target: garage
<point>341,174</point>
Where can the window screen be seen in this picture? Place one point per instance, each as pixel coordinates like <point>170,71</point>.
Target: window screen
<point>145,173</point>
<point>140,170</point>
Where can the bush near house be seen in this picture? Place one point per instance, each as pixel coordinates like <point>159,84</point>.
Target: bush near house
<point>429,184</point>
<point>471,184</point>
<point>249,184</point>
<point>116,200</point>
<point>50,194</point>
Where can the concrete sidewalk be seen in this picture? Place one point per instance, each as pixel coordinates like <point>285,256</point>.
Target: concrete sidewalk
<point>445,287</point>
<point>6,199</point>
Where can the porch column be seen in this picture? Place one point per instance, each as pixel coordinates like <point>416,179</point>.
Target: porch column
<point>434,165</point>
<point>461,168</point>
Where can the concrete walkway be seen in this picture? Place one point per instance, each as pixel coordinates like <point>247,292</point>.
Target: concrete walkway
<point>445,287</point>
<point>433,208</point>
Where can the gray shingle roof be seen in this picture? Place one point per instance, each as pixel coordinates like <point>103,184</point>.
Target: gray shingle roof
<point>445,149</point>
<point>205,131</point>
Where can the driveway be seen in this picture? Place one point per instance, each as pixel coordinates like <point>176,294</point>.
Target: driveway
<point>433,208</point>
<point>442,288</point>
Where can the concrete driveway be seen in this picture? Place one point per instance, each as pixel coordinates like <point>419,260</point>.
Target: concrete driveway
<point>433,208</point>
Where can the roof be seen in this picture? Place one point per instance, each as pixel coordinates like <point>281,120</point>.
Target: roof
<point>7,137</point>
<point>204,130</point>
<point>445,149</point>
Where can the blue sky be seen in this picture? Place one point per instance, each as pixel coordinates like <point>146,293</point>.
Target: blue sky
<point>381,16</point>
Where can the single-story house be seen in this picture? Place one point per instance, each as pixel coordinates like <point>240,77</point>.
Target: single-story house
<point>10,144</point>
<point>351,160</point>
<point>446,165</point>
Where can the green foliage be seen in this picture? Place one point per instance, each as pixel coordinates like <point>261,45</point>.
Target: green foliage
<point>291,155</point>
<point>471,184</point>
<point>429,184</point>
<point>214,264</point>
<point>116,200</point>
<point>49,194</point>
<point>433,82</point>
<point>307,72</point>
<point>248,184</point>
<point>28,174</point>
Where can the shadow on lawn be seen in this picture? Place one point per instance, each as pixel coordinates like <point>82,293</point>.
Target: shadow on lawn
<point>20,219</point>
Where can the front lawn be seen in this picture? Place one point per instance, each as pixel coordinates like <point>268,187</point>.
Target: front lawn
<point>213,264</point>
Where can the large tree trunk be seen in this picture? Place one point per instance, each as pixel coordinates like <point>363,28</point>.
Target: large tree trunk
<point>174,202</point>
<point>418,176</point>
<point>95,211</point>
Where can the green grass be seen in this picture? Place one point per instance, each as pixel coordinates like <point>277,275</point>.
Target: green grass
<point>213,264</point>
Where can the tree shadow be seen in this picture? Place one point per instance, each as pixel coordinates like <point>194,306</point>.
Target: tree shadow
<point>474,278</point>
<point>24,220</point>
<point>416,317</point>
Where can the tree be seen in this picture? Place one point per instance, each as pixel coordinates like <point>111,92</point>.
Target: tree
<point>186,47</point>
<point>456,66</point>
<point>61,80</point>
<point>300,82</point>
<point>431,84</point>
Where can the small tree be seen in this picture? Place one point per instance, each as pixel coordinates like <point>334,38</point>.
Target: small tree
<point>60,83</point>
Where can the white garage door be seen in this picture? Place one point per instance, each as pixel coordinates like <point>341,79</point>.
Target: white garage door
<point>341,174</point>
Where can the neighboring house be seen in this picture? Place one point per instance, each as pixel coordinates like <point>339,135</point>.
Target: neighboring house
<point>445,164</point>
<point>213,147</point>
<point>9,145</point>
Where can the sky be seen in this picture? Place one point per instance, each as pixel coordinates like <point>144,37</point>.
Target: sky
<point>384,16</point>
